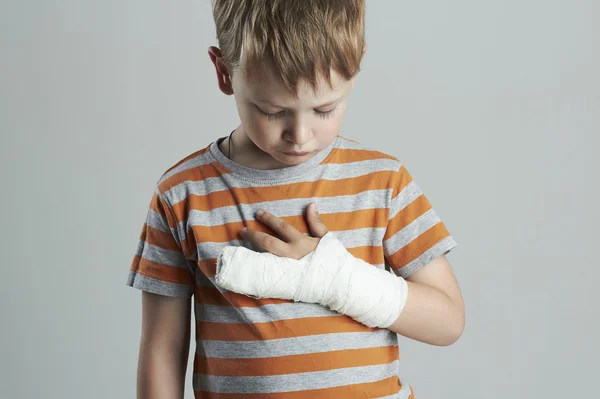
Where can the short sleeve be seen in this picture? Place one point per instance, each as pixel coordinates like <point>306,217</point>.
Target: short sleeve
<point>415,235</point>
<point>160,265</point>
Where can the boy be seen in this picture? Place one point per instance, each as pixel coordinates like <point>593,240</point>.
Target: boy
<point>290,66</point>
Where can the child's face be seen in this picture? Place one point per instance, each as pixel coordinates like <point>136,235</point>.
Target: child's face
<point>279,123</point>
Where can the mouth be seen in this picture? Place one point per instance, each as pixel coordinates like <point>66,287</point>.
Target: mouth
<point>296,154</point>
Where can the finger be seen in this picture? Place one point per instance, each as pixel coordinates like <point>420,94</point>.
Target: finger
<point>265,241</point>
<point>279,226</point>
<point>315,223</point>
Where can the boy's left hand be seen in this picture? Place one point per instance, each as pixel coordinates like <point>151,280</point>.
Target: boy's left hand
<point>294,244</point>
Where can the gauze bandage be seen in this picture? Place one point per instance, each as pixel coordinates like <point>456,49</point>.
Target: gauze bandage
<point>329,276</point>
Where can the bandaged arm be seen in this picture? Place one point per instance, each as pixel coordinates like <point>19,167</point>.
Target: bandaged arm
<point>330,276</point>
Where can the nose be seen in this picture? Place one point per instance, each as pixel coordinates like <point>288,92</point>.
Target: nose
<point>299,132</point>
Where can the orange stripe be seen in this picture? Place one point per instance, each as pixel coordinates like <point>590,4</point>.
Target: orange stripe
<point>296,363</point>
<point>368,218</point>
<point>419,245</point>
<point>160,239</point>
<point>156,205</point>
<point>408,215</point>
<point>158,271</point>
<point>387,387</point>
<point>401,180</point>
<point>347,155</point>
<point>208,267</point>
<point>174,180</point>
<point>235,196</point>
<point>200,173</point>
<point>278,329</point>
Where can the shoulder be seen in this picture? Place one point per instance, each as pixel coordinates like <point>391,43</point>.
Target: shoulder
<point>194,167</point>
<point>350,151</point>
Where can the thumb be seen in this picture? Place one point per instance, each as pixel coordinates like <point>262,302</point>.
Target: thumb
<point>316,225</point>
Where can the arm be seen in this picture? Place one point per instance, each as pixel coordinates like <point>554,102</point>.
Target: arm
<point>434,312</point>
<point>427,306</point>
<point>164,346</point>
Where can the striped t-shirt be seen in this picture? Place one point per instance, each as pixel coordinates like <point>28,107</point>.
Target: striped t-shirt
<point>271,348</point>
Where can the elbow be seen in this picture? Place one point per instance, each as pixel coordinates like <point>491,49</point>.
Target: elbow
<point>450,337</point>
<point>455,331</point>
<point>453,336</point>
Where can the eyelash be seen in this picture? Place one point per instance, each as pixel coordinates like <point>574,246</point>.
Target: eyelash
<point>320,114</point>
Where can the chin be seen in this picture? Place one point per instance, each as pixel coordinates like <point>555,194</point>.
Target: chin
<point>290,160</point>
<point>298,158</point>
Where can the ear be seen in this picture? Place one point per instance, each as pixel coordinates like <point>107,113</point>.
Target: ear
<point>222,70</point>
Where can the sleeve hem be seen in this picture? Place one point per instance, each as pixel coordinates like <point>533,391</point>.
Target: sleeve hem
<point>159,287</point>
<point>441,248</point>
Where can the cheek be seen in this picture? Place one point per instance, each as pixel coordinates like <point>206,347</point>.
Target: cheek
<point>259,129</point>
<point>330,128</point>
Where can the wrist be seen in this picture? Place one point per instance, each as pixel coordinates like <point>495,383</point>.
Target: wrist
<point>336,279</point>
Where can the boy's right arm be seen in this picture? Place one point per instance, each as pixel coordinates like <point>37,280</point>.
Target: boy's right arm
<point>164,346</point>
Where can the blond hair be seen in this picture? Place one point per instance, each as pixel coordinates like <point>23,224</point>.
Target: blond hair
<point>291,39</point>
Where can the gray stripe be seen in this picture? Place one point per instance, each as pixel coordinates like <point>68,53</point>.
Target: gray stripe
<point>157,222</point>
<point>287,207</point>
<point>349,238</point>
<point>160,287</point>
<point>408,194</point>
<point>189,164</point>
<point>179,233</point>
<point>295,382</point>
<point>322,172</point>
<point>440,248</point>
<point>361,237</point>
<point>261,314</point>
<point>140,247</point>
<point>409,233</point>
<point>160,255</point>
<point>296,345</point>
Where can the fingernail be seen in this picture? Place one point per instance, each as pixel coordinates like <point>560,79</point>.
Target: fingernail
<point>314,204</point>
<point>260,213</point>
<point>244,230</point>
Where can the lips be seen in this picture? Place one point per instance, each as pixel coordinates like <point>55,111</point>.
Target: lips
<point>298,154</point>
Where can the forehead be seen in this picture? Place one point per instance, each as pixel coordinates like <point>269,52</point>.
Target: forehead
<point>270,89</point>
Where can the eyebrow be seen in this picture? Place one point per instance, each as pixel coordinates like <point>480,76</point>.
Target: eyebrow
<point>318,106</point>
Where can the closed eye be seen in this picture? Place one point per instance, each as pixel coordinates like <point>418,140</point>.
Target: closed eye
<point>271,116</point>
<point>325,114</point>
<point>281,114</point>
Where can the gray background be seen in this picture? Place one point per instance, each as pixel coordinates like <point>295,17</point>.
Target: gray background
<point>493,106</point>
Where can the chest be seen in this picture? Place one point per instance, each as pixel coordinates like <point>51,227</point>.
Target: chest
<point>358,220</point>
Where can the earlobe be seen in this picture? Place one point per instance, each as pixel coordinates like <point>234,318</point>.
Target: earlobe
<point>223,75</point>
